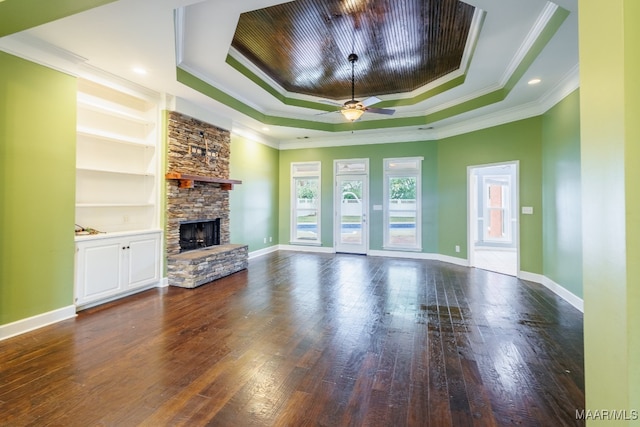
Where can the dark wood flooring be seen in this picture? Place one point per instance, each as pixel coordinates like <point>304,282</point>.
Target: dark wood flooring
<point>308,340</point>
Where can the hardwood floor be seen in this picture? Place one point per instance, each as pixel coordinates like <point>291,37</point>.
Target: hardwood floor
<point>308,339</point>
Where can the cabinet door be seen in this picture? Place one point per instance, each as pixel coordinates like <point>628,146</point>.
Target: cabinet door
<point>143,266</point>
<point>99,270</point>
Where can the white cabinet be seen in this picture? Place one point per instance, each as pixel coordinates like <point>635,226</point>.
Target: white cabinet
<point>117,161</point>
<point>111,266</point>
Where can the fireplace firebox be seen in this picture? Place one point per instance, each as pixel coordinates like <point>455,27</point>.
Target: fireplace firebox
<point>199,234</point>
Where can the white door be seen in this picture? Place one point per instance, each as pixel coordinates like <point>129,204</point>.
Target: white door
<point>351,230</point>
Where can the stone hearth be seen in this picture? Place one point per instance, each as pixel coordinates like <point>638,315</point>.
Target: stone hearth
<point>195,268</point>
<point>198,148</point>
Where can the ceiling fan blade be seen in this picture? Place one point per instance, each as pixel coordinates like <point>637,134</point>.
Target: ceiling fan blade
<point>371,100</point>
<point>387,111</point>
<point>326,101</point>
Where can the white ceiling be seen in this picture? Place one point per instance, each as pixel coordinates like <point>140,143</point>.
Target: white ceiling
<point>125,34</point>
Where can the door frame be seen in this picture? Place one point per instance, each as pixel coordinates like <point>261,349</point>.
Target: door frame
<point>337,199</point>
<point>472,205</point>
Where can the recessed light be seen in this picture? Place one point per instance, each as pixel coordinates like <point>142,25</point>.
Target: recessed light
<point>534,81</point>
<point>266,129</point>
<point>139,70</point>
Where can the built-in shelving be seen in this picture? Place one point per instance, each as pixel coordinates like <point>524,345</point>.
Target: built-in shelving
<point>117,159</point>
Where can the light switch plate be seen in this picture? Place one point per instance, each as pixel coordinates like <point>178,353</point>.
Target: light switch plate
<point>527,210</point>
<point>377,207</point>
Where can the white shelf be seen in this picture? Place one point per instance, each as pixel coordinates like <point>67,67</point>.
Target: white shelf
<point>114,205</point>
<point>109,171</point>
<point>113,137</point>
<point>93,103</point>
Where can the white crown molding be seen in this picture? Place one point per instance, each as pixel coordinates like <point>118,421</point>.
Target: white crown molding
<point>548,100</point>
<point>243,131</point>
<point>25,46</point>
<point>196,73</point>
<point>196,111</point>
<point>534,33</point>
<point>179,24</point>
<point>569,83</point>
<point>38,51</point>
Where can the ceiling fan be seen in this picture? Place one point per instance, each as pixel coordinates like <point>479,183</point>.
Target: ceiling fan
<point>353,109</point>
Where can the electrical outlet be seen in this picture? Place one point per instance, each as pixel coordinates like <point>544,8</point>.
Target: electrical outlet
<point>270,239</point>
<point>125,218</point>
<point>457,248</point>
<point>265,240</point>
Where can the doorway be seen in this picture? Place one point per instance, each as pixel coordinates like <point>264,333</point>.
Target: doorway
<point>493,217</point>
<point>351,201</point>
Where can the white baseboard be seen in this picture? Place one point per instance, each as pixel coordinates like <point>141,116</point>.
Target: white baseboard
<point>562,292</point>
<point>29,324</point>
<point>454,260</point>
<point>302,248</point>
<point>163,283</point>
<point>262,252</point>
<point>421,255</point>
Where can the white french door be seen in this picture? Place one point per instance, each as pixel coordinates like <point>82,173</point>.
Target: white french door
<point>351,228</point>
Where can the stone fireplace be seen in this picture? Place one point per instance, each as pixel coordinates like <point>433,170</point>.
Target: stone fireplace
<point>197,233</point>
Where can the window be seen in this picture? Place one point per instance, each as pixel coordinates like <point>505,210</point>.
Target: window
<point>305,203</point>
<point>497,217</point>
<point>402,203</point>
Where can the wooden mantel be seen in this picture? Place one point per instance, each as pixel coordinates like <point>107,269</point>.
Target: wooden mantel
<point>186,181</point>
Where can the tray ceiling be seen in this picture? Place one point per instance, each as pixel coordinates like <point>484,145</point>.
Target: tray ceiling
<point>402,45</point>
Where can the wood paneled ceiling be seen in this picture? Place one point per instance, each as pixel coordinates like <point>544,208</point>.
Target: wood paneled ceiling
<point>402,44</point>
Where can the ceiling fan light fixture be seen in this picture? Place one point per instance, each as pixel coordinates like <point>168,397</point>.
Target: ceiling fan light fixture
<point>352,114</point>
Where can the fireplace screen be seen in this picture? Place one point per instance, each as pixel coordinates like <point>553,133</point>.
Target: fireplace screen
<point>199,234</point>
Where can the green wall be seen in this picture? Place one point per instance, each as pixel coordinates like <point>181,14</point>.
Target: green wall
<point>254,203</point>
<point>610,149</point>
<point>562,194</point>
<point>375,153</point>
<point>37,188</point>
<point>519,141</point>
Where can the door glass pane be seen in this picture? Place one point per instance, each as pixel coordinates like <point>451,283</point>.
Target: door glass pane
<point>402,211</point>
<point>497,212</point>
<point>306,208</point>
<point>496,221</point>
<point>351,211</point>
